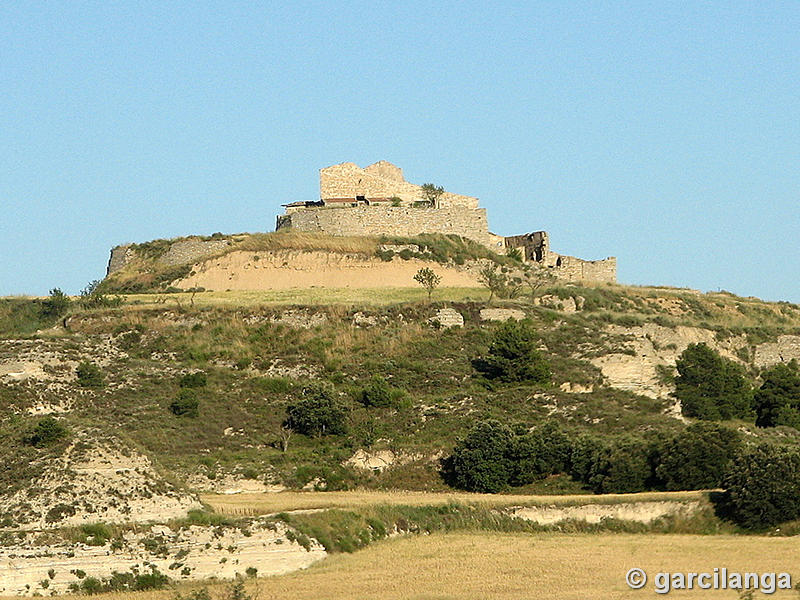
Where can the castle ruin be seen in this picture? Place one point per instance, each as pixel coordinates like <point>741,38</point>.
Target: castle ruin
<point>377,200</point>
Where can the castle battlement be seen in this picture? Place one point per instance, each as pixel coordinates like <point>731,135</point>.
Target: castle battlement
<point>377,200</point>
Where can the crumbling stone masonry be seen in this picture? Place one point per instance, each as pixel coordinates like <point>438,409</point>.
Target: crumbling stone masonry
<point>180,253</point>
<point>381,182</point>
<point>535,247</point>
<point>377,200</point>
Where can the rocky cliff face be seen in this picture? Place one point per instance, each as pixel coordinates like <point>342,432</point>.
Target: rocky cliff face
<point>36,565</point>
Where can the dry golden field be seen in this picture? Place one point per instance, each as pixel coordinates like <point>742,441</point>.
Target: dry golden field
<point>259,504</point>
<point>309,297</point>
<point>499,566</point>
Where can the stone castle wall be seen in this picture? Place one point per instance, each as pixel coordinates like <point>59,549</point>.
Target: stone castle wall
<point>569,268</point>
<point>352,203</point>
<point>180,253</point>
<point>379,180</point>
<point>120,256</point>
<point>403,221</point>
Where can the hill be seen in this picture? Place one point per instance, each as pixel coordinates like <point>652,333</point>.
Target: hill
<point>611,361</point>
<point>289,259</point>
<point>116,408</point>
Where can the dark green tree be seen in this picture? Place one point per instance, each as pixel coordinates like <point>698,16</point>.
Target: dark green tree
<point>585,449</point>
<point>318,412</point>
<point>711,387</point>
<point>763,486</point>
<point>698,457</point>
<point>623,465</point>
<point>777,401</point>
<point>625,468</point>
<point>46,432</point>
<point>513,355</point>
<point>484,460</point>
<point>186,404</point>
<point>545,451</point>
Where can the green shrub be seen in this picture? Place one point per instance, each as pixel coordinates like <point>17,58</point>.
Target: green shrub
<point>124,582</point>
<point>201,594</point>
<point>622,465</point>
<point>763,487</point>
<point>149,581</point>
<point>96,534</point>
<point>711,387</point>
<point>777,401</point>
<point>46,432</point>
<point>378,393</point>
<point>484,460</point>
<point>186,404</point>
<point>193,380</point>
<point>56,305</point>
<point>89,375</point>
<point>273,385</point>
<point>204,518</point>
<point>91,586</point>
<point>59,512</point>
<point>318,412</point>
<point>130,340</point>
<point>698,458</point>
<point>545,451</point>
<point>93,296</point>
<point>513,355</point>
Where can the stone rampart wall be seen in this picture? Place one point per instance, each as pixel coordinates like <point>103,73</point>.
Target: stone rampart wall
<point>396,220</point>
<point>570,268</point>
<point>180,253</point>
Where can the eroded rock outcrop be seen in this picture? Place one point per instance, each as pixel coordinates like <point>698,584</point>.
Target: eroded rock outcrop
<point>95,481</point>
<point>31,566</point>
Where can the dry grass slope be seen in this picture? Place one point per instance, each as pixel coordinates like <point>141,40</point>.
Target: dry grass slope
<point>354,297</point>
<point>259,504</point>
<point>513,566</point>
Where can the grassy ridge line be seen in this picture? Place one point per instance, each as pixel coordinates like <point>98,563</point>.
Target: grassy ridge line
<point>441,245</point>
<point>258,504</point>
<point>145,272</point>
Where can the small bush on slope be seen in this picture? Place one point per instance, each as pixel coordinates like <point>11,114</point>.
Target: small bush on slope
<point>513,355</point>
<point>317,413</point>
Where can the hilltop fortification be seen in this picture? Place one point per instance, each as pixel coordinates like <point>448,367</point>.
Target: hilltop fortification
<point>370,205</point>
<point>377,200</point>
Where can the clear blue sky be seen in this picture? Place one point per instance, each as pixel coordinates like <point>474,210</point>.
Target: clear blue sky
<point>665,133</point>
